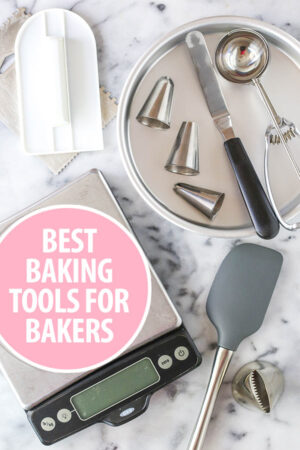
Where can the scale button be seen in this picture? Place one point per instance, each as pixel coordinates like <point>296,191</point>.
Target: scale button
<point>181,353</point>
<point>126,412</point>
<point>48,424</point>
<point>165,362</point>
<point>64,415</point>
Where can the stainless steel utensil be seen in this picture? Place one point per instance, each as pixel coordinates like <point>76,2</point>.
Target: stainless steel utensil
<point>289,131</point>
<point>208,202</point>
<point>257,203</point>
<point>241,57</point>
<point>258,385</point>
<point>236,305</point>
<point>156,111</point>
<point>184,156</point>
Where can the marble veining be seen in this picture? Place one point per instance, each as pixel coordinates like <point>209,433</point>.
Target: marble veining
<point>185,262</point>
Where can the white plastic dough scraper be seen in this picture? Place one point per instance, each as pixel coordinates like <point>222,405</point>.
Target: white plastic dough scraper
<point>58,86</point>
<point>57,404</point>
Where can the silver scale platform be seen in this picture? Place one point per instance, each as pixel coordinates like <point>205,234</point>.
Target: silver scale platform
<point>31,385</point>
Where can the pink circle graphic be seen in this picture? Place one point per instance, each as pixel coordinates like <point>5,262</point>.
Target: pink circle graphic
<point>75,288</point>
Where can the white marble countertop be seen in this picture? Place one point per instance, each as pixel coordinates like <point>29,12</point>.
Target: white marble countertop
<point>185,262</point>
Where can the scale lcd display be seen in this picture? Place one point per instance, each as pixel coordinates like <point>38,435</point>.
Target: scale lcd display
<point>114,389</point>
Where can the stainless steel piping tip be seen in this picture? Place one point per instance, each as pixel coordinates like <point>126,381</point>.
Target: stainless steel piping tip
<point>206,201</point>
<point>156,111</point>
<point>184,156</point>
<point>258,385</point>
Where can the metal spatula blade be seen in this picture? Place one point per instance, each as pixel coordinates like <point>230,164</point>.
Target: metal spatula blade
<point>236,305</point>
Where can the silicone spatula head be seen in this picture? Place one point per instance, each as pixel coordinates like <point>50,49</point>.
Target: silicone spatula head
<point>241,292</point>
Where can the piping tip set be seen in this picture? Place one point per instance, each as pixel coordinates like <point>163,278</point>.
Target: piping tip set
<point>258,385</point>
<point>184,154</point>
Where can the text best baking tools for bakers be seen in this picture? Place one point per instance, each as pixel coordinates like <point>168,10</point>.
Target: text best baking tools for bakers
<point>58,86</point>
<point>241,57</point>
<point>236,305</point>
<point>60,404</point>
<point>258,385</point>
<point>263,218</point>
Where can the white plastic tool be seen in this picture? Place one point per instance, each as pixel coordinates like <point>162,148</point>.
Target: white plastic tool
<point>58,85</point>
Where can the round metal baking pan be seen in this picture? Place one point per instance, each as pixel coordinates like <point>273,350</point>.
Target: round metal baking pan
<point>145,150</point>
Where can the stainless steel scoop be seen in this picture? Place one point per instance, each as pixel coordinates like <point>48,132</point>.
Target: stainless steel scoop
<point>236,305</point>
<point>241,57</point>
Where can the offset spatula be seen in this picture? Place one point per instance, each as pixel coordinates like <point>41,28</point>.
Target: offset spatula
<point>236,305</point>
<point>260,211</point>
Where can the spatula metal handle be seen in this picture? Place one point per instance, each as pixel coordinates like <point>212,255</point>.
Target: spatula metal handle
<point>220,365</point>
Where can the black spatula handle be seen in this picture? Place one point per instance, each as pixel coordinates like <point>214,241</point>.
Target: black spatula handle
<point>261,213</point>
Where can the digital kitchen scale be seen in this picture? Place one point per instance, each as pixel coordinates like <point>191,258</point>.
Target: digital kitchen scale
<point>58,405</point>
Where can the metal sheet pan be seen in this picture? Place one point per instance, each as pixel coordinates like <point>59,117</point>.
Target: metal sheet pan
<point>145,150</point>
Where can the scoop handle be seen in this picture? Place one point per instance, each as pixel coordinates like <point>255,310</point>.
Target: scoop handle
<point>220,365</point>
<point>260,210</point>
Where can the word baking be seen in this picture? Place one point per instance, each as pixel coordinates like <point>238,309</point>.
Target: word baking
<point>69,330</point>
<point>69,270</point>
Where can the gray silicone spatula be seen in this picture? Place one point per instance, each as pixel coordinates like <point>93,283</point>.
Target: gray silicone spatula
<point>236,305</point>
